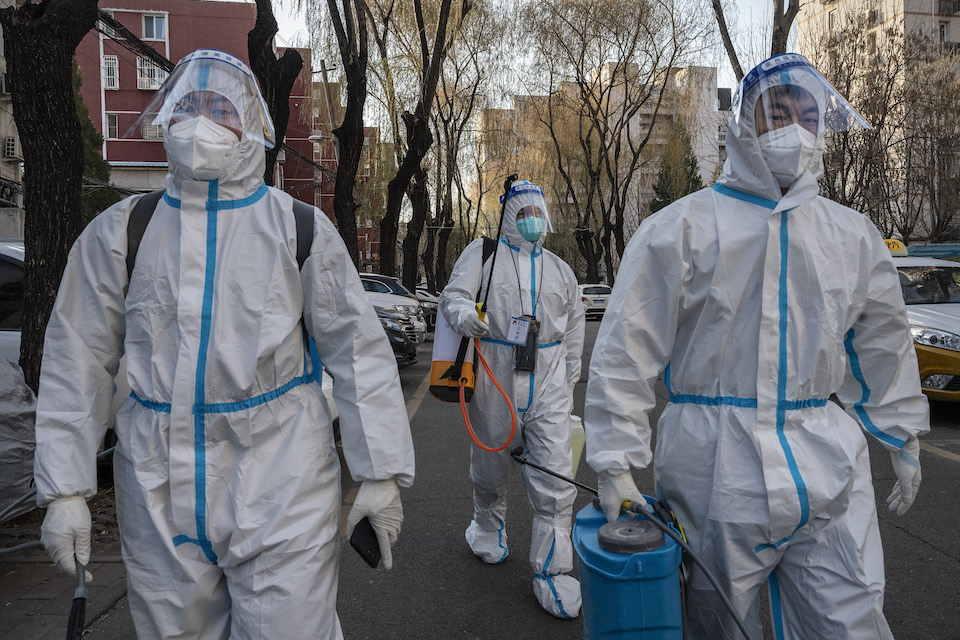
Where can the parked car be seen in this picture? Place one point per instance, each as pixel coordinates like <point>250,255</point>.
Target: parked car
<point>382,297</point>
<point>11,304</point>
<point>431,304</point>
<point>402,336</point>
<point>931,290</point>
<point>595,297</point>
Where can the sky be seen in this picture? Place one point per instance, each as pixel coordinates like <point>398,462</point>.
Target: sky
<point>753,17</point>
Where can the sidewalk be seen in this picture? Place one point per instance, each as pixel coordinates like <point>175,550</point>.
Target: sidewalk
<point>35,596</point>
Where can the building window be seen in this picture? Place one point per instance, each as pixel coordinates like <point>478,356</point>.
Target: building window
<point>151,131</point>
<point>944,32</point>
<point>832,20</point>
<point>149,75</point>
<point>365,159</point>
<point>317,157</point>
<point>113,127</point>
<point>111,72</point>
<point>154,27</point>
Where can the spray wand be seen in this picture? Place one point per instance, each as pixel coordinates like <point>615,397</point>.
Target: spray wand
<point>660,522</point>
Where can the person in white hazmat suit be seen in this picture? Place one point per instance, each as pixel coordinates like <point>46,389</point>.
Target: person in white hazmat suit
<point>757,300</point>
<point>528,281</point>
<point>226,472</point>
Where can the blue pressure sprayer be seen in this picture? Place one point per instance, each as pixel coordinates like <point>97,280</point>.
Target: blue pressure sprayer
<point>630,570</point>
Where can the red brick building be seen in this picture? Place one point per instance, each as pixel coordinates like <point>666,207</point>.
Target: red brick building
<point>118,83</point>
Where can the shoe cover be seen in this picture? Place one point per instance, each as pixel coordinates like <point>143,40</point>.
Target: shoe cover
<point>489,546</point>
<point>558,594</point>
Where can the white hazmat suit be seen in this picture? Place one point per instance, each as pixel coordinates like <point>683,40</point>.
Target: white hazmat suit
<point>756,307</point>
<point>531,280</point>
<point>226,471</point>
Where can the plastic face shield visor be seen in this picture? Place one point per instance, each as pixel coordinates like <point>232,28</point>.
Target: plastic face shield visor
<point>525,200</point>
<point>215,85</point>
<point>786,90</point>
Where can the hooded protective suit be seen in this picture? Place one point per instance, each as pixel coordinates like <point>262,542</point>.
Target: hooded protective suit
<point>756,307</point>
<point>226,471</point>
<point>527,279</point>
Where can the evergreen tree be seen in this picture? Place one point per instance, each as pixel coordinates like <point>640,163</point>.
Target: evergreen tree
<point>93,199</point>
<point>679,173</point>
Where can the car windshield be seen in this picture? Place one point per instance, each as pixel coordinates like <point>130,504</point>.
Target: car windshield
<point>596,291</point>
<point>930,284</point>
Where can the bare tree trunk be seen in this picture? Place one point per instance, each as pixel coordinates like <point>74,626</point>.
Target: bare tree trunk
<point>276,77</point>
<point>420,203</point>
<point>727,42</point>
<point>39,42</point>
<point>782,22</point>
<point>351,30</point>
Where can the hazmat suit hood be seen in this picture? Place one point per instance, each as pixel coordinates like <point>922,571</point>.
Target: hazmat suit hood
<point>746,169</point>
<point>209,72</point>
<point>524,199</point>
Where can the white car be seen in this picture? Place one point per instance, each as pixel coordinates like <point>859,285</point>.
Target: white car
<point>931,291</point>
<point>11,304</point>
<point>381,298</point>
<point>594,297</point>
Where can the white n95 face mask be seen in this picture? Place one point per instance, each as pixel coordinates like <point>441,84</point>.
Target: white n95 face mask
<point>788,151</point>
<point>202,149</point>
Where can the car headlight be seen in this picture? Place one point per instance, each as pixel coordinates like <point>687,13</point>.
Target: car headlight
<point>390,324</point>
<point>407,309</point>
<point>935,338</point>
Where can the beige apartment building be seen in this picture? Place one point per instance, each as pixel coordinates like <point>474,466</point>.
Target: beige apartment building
<point>518,140</point>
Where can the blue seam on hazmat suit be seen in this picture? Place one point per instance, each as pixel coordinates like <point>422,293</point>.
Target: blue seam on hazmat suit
<point>239,405</point>
<point>746,197</point>
<point>222,205</point>
<point>858,406</point>
<point>545,345</point>
<point>159,407</point>
<point>500,540</point>
<point>775,606</point>
<point>549,580</point>
<point>199,421</point>
<point>782,377</point>
<point>749,403</point>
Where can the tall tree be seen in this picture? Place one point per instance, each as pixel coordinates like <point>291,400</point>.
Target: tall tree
<point>783,17</point>
<point>39,40</point>
<point>276,77</point>
<point>418,141</point>
<point>679,174</point>
<point>350,28</point>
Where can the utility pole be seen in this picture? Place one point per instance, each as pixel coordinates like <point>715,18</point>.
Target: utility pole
<point>326,95</point>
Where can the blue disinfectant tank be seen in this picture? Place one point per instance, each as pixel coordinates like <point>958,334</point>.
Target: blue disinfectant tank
<point>629,578</point>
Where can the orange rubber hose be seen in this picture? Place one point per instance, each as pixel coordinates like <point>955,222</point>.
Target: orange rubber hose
<point>463,406</point>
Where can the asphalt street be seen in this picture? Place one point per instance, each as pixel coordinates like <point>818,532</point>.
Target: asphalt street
<point>438,589</point>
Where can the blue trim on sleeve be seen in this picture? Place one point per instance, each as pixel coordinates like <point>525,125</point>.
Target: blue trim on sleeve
<point>858,406</point>
<point>173,202</point>
<point>744,196</point>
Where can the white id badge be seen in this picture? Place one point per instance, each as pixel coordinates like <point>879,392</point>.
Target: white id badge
<point>517,333</point>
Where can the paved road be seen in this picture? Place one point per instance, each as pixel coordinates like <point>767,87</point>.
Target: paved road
<point>437,589</point>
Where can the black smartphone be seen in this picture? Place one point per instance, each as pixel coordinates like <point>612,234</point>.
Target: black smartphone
<point>364,540</point>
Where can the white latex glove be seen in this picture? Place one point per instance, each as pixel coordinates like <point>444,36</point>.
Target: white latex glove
<point>473,326</point>
<point>380,501</point>
<point>65,534</point>
<point>614,489</point>
<point>906,464</point>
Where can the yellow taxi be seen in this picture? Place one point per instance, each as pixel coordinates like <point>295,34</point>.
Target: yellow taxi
<point>931,291</point>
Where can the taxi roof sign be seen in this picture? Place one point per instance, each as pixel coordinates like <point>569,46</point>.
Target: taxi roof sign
<point>896,247</point>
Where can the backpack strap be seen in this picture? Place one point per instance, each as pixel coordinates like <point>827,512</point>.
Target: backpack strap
<point>489,246</point>
<point>137,224</point>
<point>303,214</point>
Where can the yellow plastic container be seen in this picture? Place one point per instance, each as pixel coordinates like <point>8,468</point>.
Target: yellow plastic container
<point>446,345</point>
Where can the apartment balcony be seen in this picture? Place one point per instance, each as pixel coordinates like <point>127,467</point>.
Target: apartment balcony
<point>949,7</point>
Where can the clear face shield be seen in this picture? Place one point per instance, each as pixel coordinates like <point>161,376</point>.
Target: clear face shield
<point>791,108</point>
<point>787,90</point>
<point>526,205</point>
<point>216,86</point>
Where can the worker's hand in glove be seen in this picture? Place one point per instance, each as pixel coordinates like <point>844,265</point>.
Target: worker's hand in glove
<point>614,489</point>
<point>65,534</point>
<point>473,326</point>
<point>380,501</point>
<point>906,464</point>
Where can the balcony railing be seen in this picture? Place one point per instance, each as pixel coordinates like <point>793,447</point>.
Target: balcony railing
<point>949,7</point>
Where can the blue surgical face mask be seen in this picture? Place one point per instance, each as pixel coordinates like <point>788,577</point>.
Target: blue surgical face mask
<point>531,228</point>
